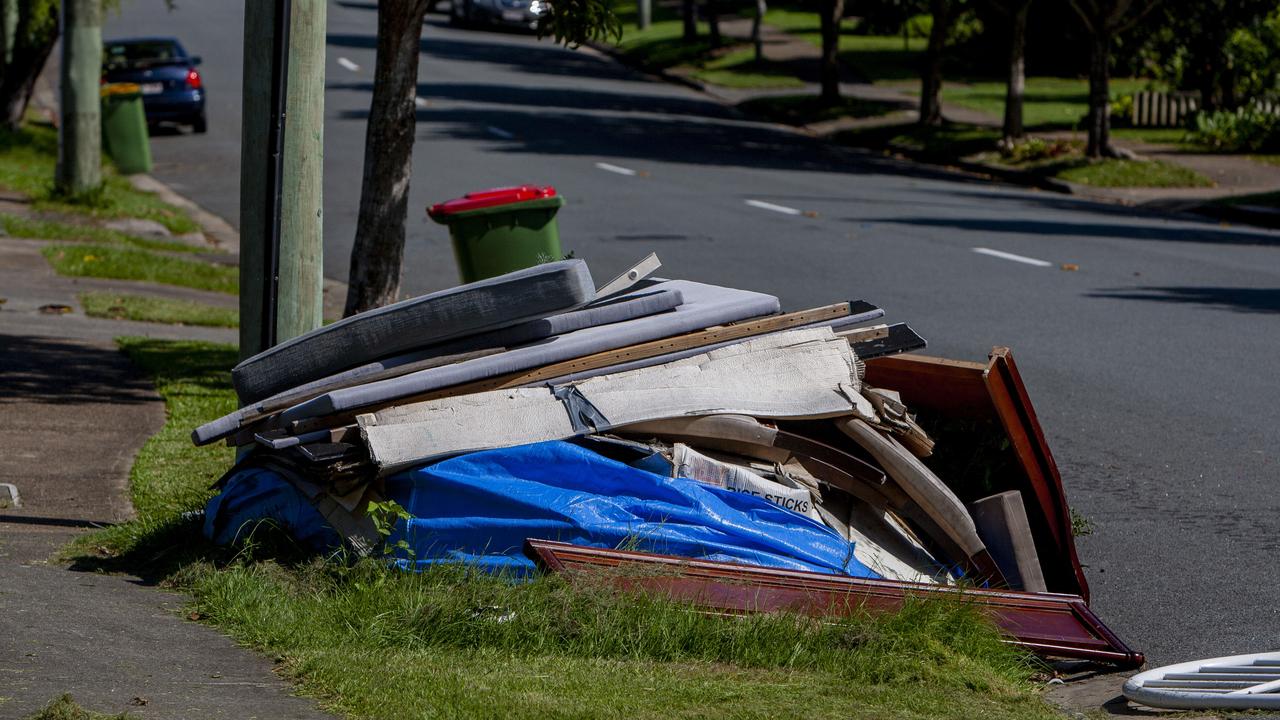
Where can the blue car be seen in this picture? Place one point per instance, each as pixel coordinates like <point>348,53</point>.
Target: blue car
<point>172,89</point>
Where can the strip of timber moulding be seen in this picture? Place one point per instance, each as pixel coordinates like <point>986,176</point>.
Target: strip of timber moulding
<point>726,334</point>
<point>1048,624</point>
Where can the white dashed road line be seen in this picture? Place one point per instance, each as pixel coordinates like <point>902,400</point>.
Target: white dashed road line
<point>499,132</point>
<point>615,169</point>
<point>770,206</point>
<point>347,64</point>
<point>1011,256</point>
<point>420,102</point>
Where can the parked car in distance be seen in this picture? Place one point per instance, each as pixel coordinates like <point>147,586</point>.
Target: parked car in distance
<point>172,89</point>
<point>524,14</point>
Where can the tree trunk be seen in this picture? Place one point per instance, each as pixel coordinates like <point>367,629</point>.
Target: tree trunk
<point>931,77</point>
<point>644,14</point>
<point>756,30</point>
<point>376,256</point>
<point>1099,118</point>
<point>713,23</point>
<point>28,58</point>
<point>79,167</point>
<point>8,31</point>
<point>689,15</point>
<point>832,11</point>
<point>1013,130</point>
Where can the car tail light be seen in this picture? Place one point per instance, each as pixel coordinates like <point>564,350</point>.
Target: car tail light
<point>193,80</point>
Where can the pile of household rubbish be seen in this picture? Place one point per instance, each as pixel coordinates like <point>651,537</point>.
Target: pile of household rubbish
<point>750,459</point>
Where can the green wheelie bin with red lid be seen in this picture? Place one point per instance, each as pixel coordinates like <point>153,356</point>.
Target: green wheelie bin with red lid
<point>501,230</point>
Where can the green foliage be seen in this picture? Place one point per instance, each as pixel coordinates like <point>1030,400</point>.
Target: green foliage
<point>130,264</point>
<point>1248,129</point>
<point>1080,525</point>
<point>573,22</point>
<point>385,516</point>
<point>1036,149</point>
<point>142,308</point>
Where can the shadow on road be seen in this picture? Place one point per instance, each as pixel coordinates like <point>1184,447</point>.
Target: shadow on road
<point>1245,300</point>
<point>1172,233</point>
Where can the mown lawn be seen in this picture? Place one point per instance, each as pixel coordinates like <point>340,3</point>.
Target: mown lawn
<point>117,263</point>
<point>372,642</point>
<point>143,308</point>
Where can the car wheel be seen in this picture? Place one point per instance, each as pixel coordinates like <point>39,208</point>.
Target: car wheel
<point>200,126</point>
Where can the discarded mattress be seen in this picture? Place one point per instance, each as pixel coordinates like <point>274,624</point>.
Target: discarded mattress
<point>704,306</point>
<point>479,509</point>
<point>614,310</point>
<point>437,317</point>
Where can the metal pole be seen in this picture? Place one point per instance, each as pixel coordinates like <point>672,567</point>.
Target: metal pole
<point>645,13</point>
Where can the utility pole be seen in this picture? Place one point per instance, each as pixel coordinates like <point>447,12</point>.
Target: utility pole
<point>281,172</point>
<point>645,13</point>
<point>79,132</point>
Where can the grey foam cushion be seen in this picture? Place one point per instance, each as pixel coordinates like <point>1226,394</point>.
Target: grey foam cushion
<point>434,318</point>
<point>704,306</point>
<point>618,309</point>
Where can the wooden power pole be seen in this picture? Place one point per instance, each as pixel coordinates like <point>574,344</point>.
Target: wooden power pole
<point>79,131</point>
<point>281,172</point>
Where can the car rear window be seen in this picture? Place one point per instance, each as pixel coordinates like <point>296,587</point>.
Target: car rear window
<point>137,54</point>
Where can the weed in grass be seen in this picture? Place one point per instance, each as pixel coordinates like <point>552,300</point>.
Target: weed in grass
<point>143,308</point>
<point>50,230</point>
<point>130,264</point>
<point>66,708</point>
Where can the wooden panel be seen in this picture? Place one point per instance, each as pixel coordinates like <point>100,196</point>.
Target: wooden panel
<point>1054,625</point>
<point>994,391</point>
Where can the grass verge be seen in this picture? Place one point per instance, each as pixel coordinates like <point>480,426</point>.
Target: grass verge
<point>377,643</point>
<point>131,264</point>
<point>1113,173</point>
<point>27,160</point>
<point>51,230</point>
<point>144,308</point>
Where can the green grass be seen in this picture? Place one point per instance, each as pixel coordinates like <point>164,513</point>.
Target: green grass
<point>27,160</point>
<point>1268,159</point>
<point>1131,173</point>
<point>131,264</point>
<point>806,109</point>
<point>1155,136</point>
<point>1047,103</point>
<point>738,69</point>
<point>144,308</point>
<point>70,232</point>
<point>373,642</point>
<point>66,708</point>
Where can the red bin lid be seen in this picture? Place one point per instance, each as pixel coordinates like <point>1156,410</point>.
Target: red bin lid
<point>491,198</point>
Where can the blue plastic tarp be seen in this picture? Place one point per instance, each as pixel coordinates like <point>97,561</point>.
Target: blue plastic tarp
<point>479,508</point>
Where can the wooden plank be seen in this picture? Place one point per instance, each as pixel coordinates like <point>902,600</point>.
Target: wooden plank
<point>1053,625</point>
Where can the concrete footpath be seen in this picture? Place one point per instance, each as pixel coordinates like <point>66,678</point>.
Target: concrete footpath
<point>74,413</point>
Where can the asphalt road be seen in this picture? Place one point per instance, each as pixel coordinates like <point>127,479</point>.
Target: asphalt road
<point>1153,365</point>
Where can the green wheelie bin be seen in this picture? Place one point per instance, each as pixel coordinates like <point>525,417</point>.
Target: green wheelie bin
<point>124,128</point>
<point>500,230</point>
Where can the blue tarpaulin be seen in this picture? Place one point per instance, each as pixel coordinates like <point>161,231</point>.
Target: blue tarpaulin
<point>479,508</point>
